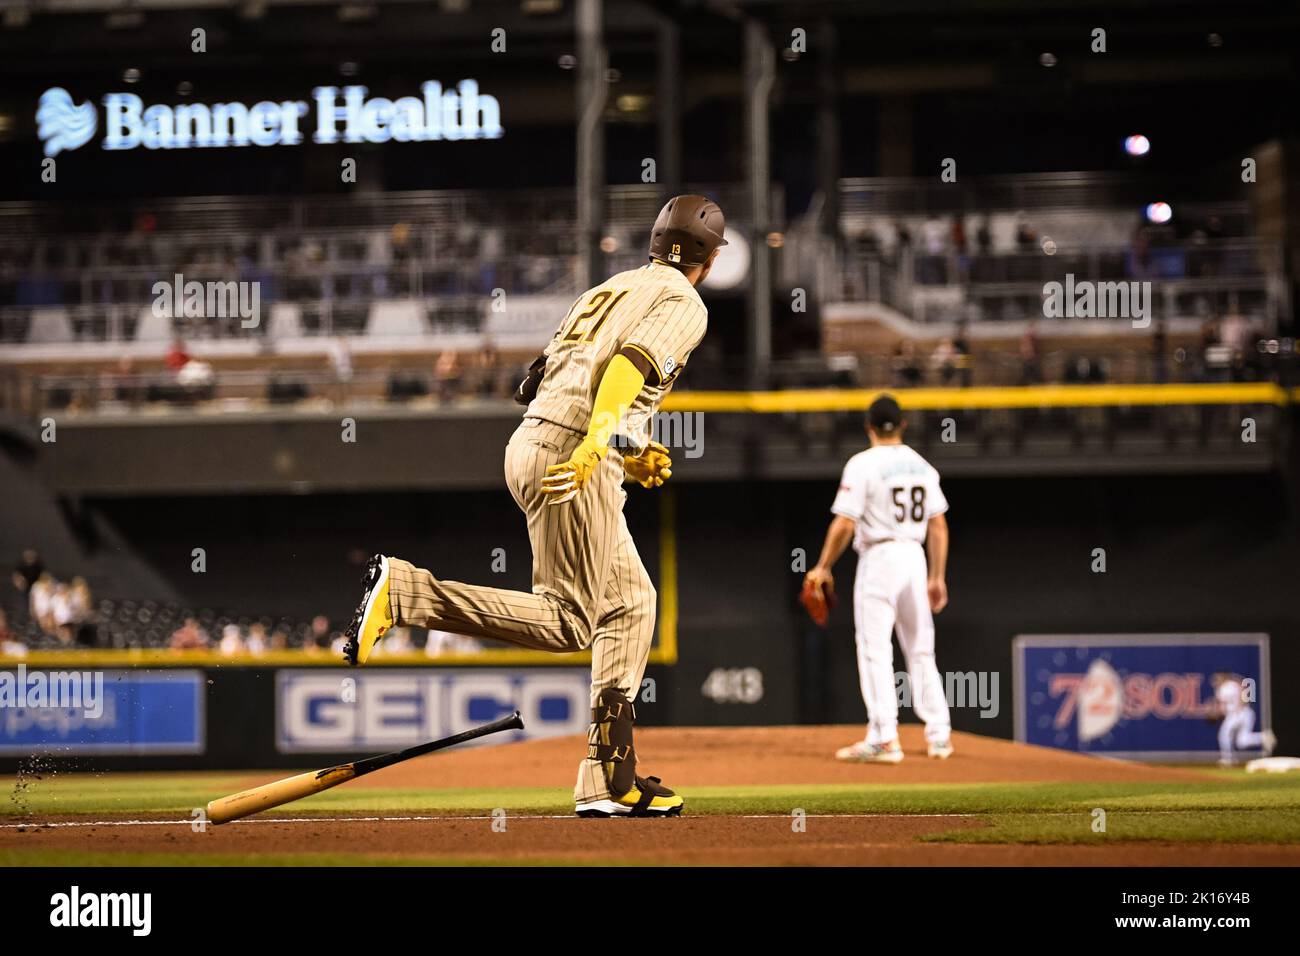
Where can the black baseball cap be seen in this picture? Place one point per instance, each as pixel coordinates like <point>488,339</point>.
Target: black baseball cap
<point>884,415</point>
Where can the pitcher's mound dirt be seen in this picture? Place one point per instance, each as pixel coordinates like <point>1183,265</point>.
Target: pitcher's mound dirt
<point>722,756</point>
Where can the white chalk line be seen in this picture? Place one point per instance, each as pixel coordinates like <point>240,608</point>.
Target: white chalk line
<point>80,824</point>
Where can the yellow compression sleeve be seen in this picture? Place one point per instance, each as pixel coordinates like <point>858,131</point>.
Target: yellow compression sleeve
<point>619,387</point>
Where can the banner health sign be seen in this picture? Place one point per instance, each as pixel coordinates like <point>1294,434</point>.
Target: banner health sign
<point>320,712</point>
<point>141,712</point>
<point>333,115</point>
<point>1145,696</point>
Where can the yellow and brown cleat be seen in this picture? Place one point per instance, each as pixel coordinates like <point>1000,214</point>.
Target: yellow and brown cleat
<point>374,615</point>
<point>648,798</point>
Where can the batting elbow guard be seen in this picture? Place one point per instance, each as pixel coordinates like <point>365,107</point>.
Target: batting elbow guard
<point>527,389</point>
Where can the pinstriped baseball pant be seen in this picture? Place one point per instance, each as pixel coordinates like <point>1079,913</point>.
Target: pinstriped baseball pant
<point>590,588</point>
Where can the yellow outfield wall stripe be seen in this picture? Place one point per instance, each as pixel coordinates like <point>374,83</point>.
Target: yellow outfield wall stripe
<point>163,658</point>
<point>1028,396</point>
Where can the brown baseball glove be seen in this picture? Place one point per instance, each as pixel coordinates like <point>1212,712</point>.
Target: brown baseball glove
<point>818,599</point>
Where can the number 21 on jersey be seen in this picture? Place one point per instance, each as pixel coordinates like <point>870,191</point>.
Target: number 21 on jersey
<point>582,329</point>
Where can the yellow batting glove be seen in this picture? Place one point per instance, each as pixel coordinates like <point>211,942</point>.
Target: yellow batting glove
<point>563,481</point>
<point>651,468</point>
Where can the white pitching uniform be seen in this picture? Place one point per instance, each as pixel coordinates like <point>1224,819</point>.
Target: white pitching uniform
<point>891,492</point>
<point>1238,727</point>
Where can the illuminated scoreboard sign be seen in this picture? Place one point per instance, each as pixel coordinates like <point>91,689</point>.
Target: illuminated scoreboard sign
<point>333,115</point>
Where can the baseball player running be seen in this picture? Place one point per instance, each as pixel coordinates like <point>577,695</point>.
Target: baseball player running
<point>1238,727</point>
<point>889,504</point>
<point>606,371</point>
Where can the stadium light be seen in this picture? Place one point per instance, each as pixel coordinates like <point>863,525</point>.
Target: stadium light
<point>1137,145</point>
<point>1159,212</point>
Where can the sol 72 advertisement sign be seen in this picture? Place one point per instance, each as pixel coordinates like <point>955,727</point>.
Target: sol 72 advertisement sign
<point>1144,696</point>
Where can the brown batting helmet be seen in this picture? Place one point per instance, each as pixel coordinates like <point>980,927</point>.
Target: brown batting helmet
<point>687,231</point>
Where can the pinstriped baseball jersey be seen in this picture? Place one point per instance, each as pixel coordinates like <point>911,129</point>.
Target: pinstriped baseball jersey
<point>590,589</point>
<point>653,310</point>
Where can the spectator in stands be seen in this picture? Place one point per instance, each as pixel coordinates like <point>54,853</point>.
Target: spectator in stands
<point>944,359</point>
<point>962,344</point>
<point>906,366</point>
<point>62,608</point>
<point>958,234</point>
<point>1082,370</point>
<point>177,358</point>
<point>41,606</point>
<point>122,381</point>
<point>398,641</point>
<point>959,248</point>
<point>984,236</point>
<point>189,636</point>
<point>232,642</point>
<point>28,571</point>
<point>487,367</point>
<point>1026,237</point>
<point>399,241</point>
<point>448,372</point>
<point>935,236</point>
<point>1159,352</point>
<point>256,644</point>
<point>81,601</point>
<point>902,242</point>
<point>1210,358</point>
<point>318,638</point>
<point>1031,363</point>
<point>11,645</point>
<point>1236,333</point>
<point>279,640</point>
<point>1139,264</point>
<point>439,643</point>
<point>340,359</point>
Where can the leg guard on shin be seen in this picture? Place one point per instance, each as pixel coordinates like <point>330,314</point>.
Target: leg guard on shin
<point>613,716</point>
<point>630,795</point>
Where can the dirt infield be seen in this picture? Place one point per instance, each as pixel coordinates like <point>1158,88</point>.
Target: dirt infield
<point>685,758</point>
<point>708,756</point>
<point>719,841</point>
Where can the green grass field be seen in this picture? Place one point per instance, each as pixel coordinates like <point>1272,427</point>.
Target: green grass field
<point>1227,807</point>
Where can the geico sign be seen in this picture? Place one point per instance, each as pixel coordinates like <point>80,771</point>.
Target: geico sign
<point>341,115</point>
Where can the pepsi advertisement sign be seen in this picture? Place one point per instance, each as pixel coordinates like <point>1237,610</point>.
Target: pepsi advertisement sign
<point>343,711</point>
<point>1140,696</point>
<point>138,712</point>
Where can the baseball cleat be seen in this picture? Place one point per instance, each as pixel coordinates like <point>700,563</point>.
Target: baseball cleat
<point>1269,741</point>
<point>647,799</point>
<point>863,752</point>
<point>939,749</point>
<point>374,615</point>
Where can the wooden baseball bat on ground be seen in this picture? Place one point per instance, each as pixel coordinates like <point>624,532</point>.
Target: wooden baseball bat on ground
<point>279,792</point>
